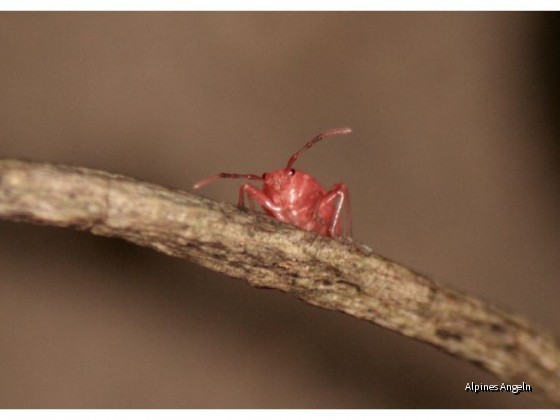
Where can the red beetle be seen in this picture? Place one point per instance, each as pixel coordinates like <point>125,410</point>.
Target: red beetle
<point>295,197</point>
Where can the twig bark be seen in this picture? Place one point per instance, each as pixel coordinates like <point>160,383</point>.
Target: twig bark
<point>324,272</point>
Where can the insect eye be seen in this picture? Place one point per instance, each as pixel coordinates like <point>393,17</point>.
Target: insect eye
<point>292,172</point>
<point>263,175</point>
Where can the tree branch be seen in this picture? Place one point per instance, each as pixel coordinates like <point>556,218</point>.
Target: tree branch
<point>321,271</point>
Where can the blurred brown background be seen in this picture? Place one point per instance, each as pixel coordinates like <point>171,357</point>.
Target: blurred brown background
<point>452,168</point>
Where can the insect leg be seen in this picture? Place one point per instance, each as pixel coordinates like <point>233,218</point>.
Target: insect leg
<point>257,195</point>
<point>339,197</point>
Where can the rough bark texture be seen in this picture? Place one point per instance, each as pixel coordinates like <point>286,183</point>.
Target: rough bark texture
<point>321,271</point>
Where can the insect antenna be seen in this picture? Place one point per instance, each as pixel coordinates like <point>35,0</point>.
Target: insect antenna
<point>319,137</point>
<point>215,177</point>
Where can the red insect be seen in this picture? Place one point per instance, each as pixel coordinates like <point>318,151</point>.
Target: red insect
<point>295,197</point>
